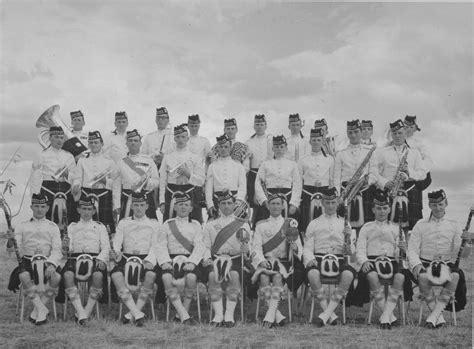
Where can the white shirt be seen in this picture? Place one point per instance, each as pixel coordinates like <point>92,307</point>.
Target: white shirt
<point>279,173</point>
<point>89,167</point>
<point>225,174</point>
<point>415,142</point>
<point>377,239</point>
<point>153,142</point>
<point>200,146</point>
<point>39,236</point>
<point>260,148</point>
<point>89,237</point>
<point>115,145</point>
<point>168,244</point>
<point>137,236</point>
<point>317,169</point>
<point>297,147</point>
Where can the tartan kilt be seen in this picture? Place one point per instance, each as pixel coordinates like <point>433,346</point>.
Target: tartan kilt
<point>150,212</point>
<point>367,201</point>
<point>251,176</point>
<point>120,266</point>
<point>415,203</point>
<point>263,212</point>
<point>196,213</point>
<point>305,206</point>
<point>236,266</point>
<point>342,266</point>
<point>25,266</point>
<point>104,198</point>
<point>49,189</point>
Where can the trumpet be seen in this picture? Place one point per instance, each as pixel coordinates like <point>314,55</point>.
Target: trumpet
<point>99,177</point>
<point>142,185</point>
<point>181,164</point>
<point>57,176</point>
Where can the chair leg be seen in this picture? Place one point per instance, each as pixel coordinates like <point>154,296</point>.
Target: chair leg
<point>258,307</point>
<point>167,310</point>
<point>311,311</point>
<point>304,294</point>
<point>22,309</point>
<point>152,306</point>
<point>290,310</point>
<point>453,312</point>
<point>371,309</point>
<point>198,301</point>
<point>55,314</point>
<point>344,310</point>
<point>18,299</point>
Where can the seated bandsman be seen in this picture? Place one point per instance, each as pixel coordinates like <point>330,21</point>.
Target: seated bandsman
<point>135,237</point>
<point>182,171</point>
<point>222,175</point>
<point>348,162</point>
<point>260,148</point>
<point>379,240</point>
<point>316,170</point>
<point>366,130</point>
<point>327,242</point>
<point>274,244</point>
<point>116,142</point>
<point>181,236</point>
<point>278,175</point>
<point>398,174</point>
<point>223,259</point>
<point>432,249</point>
<point>86,237</point>
<point>137,173</point>
<point>94,176</point>
<point>38,237</point>
<point>52,175</point>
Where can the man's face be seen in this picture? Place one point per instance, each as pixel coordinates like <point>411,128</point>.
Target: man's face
<point>227,207</point>
<point>57,141</point>
<point>280,149</point>
<point>78,123</point>
<point>134,144</point>
<point>181,139</point>
<point>275,206</point>
<point>86,212</point>
<point>260,128</point>
<point>367,132</point>
<point>162,121</point>
<point>139,209</point>
<point>399,136</point>
<point>410,130</point>
<point>381,212</point>
<point>294,127</point>
<point>223,149</point>
<point>95,145</point>
<point>316,143</point>
<point>354,136</point>
<point>183,209</point>
<point>39,210</point>
<point>438,209</point>
<point>231,131</point>
<point>194,127</point>
<point>330,206</point>
<point>121,125</point>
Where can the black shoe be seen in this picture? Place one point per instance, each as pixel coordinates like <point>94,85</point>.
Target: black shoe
<point>267,324</point>
<point>282,323</point>
<point>217,324</point>
<point>430,325</point>
<point>30,319</point>
<point>229,324</point>
<point>319,322</point>
<point>385,326</point>
<point>334,322</point>
<point>190,321</point>
<point>140,322</point>
<point>40,323</point>
<point>81,322</point>
<point>125,321</point>
<point>394,323</point>
<point>176,319</point>
<point>440,325</point>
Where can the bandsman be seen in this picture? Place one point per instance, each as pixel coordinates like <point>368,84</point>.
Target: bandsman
<point>432,249</point>
<point>367,130</point>
<point>329,142</point>
<point>77,128</point>
<point>298,146</point>
<point>197,144</point>
<point>116,142</point>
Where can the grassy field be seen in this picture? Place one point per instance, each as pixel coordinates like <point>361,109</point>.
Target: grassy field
<point>109,333</point>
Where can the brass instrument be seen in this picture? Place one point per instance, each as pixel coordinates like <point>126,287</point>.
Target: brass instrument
<point>181,164</point>
<point>10,235</point>
<point>97,178</point>
<point>140,186</point>
<point>58,174</point>
<point>464,241</point>
<point>398,179</point>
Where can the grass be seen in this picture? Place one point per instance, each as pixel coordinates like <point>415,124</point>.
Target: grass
<point>109,333</point>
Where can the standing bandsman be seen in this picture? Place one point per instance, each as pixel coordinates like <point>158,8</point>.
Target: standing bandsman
<point>136,236</point>
<point>182,171</point>
<point>367,130</point>
<point>278,175</point>
<point>116,142</point>
<point>53,171</point>
<point>380,238</point>
<point>77,127</point>
<point>224,174</point>
<point>298,146</point>
<point>86,237</point>
<point>328,235</point>
<point>181,236</point>
<point>329,142</point>
<point>137,173</point>
<point>394,174</point>
<point>260,148</point>
<point>437,239</point>
<point>220,239</point>
<point>94,175</point>
<point>198,145</point>
<point>38,236</point>
<point>270,243</point>
<point>317,172</point>
<point>348,162</point>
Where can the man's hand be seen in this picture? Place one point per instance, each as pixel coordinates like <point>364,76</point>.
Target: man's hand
<point>389,185</point>
<point>417,270</point>
<point>158,158</point>
<point>184,171</point>
<point>294,247</point>
<point>265,264</point>
<point>366,266</point>
<point>189,266</point>
<point>162,208</point>
<point>76,189</point>
<point>117,255</point>
<point>347,231</point>
<point>404,176</point>
<point>50,271</point>
<point>166,266</point>
<point>402,245</point>
<point>100,264</point>
<point>212,212</point>
<point>292,209</point>
<point>312,263</point>
<point>207,262</point>
<point>466,235</point>
<point>148,265</point>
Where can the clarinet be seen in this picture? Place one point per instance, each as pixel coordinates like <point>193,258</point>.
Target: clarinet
<point>11,238</point>
<point>347,237</point>
<point>402,254</point>
<point>65,237</point>
<point>464,241</point>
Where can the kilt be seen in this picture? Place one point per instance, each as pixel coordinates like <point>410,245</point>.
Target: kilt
<point>251,176</point>
<point>150,212</point>
<point>236,266</point>
<point>342,266</point>
<point>120,266</point>
<point>367,201</point>
<point>196,213</point>
<point>263,212</point>
<point>105,212</point>
<point>49,189</point>
<point>372,265</point>
<point>305,218</point>
<point>415,203</point>
<point>25,266</point>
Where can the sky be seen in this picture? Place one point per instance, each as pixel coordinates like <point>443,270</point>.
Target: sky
<point>222,59</point>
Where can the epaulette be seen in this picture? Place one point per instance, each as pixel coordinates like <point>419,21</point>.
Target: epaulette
<point>262,221</point>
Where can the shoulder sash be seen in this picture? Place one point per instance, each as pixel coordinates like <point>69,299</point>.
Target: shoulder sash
<point>277,239</point>
<point>225,233</point>
<point>180,237</point>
